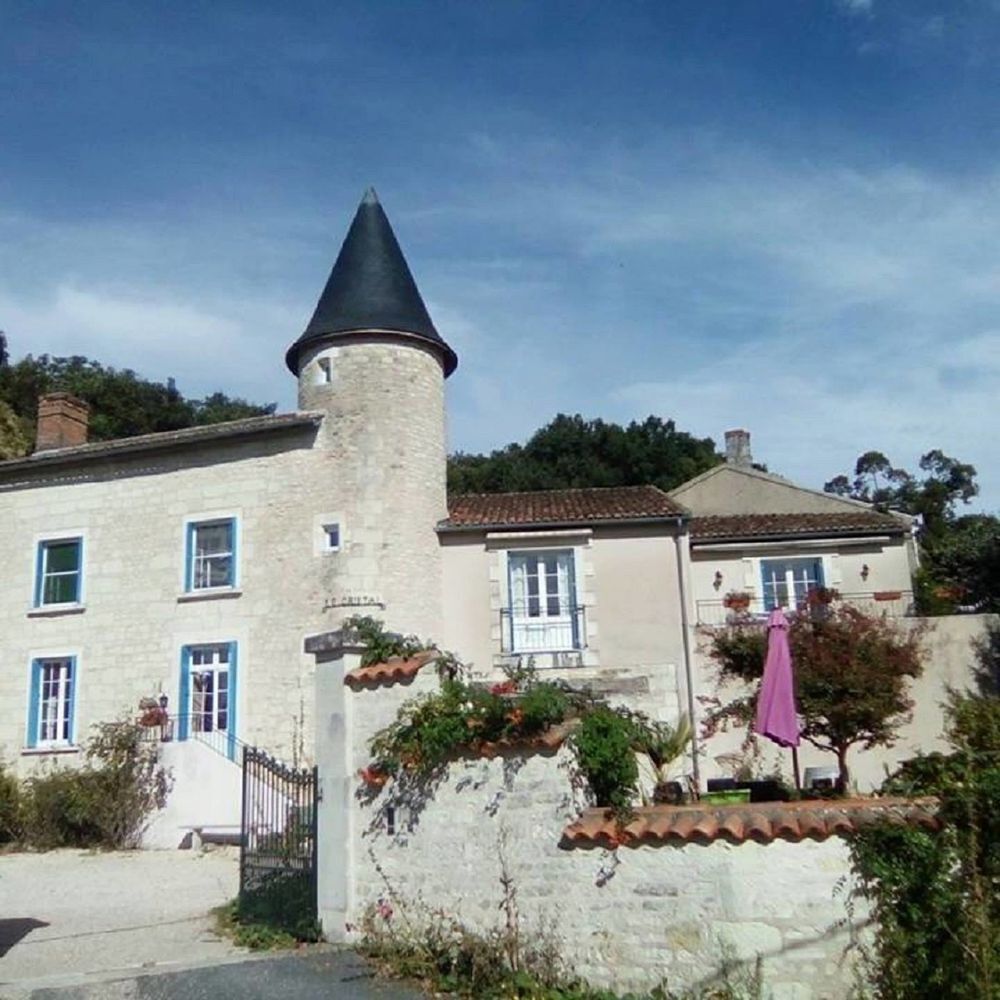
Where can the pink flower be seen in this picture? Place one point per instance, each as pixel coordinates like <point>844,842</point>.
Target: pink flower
<point>384,909</point>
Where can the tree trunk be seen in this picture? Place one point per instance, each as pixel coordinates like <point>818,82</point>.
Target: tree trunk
<point>845,776</point>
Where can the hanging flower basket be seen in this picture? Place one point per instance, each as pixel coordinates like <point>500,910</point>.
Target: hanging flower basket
<point>737,600</point>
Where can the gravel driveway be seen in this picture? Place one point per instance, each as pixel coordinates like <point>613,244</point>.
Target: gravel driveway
<point>65,915</point>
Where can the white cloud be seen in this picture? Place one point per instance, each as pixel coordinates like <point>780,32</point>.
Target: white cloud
<point>830,310</point>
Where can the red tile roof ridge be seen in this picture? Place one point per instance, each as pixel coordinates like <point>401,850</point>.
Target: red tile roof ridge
<point>738,822</point>
<point>566,489</point>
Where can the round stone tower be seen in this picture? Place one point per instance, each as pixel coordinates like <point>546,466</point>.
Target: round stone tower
<point>373,363</point>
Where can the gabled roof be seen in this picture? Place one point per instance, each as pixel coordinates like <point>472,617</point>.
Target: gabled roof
<point>761,526</point>
<point>727,468</point>
<point>554,508</point>
<point>247,427</point>
<point>371,289</point>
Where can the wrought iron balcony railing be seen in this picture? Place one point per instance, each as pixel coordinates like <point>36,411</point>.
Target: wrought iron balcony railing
<point>891,603</point>
<point>552,628</point>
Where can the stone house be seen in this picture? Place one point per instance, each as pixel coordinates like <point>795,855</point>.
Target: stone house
<point>189,567</point>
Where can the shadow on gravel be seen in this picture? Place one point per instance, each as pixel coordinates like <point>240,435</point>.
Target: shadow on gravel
<point>12,929</point>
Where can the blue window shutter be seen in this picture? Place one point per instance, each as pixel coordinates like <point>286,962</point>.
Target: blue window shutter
<point>39,582</point>
<point>768,597</point>
<point>78,594</point>
<point>233,701</point>
<point>188,556</point>
<point>185,693</point>
<point>233,536</point>
<point>510,606</point>
<point>573,609</point>
<point>34,703</point>
<point>71,735</point>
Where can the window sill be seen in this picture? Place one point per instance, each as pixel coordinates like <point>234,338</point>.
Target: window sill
<point>222,594</point>
<point>56,610</point>
<point>39,751</point>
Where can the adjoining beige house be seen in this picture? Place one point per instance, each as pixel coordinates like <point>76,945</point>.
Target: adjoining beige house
<point>758,537</point>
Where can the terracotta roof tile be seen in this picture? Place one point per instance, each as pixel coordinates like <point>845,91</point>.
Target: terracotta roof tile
<point>739,526</point>
<point>559,507</point>
<point>551,739</point>
<point>764,822</point>
<point>393,671</point>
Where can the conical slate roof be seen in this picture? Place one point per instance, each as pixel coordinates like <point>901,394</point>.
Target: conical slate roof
<point>371,288</point>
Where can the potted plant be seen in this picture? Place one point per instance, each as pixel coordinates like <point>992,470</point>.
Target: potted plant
<point>661,747</point>
<point>737,600</point>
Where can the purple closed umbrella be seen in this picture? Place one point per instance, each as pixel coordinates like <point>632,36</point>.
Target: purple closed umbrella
<point>776,715</point>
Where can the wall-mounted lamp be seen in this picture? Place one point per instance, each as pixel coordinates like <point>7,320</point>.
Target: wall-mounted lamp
<point>865,571</point>
<point>717,582</point>
<point>164,701</point>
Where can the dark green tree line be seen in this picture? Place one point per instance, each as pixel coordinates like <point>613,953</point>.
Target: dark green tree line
<point>122,403</point>
<point>574,452</point>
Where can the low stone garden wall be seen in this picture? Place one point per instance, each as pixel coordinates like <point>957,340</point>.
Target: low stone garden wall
<point>667,899</point>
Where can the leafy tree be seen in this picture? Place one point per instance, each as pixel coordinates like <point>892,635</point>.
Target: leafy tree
<point>963,566</point>
<point>13,441</point>
<point>574,452</point>
<point>122,403</point>
<point>934,497</point>
<point>852,671</point>
<point>934,892</point>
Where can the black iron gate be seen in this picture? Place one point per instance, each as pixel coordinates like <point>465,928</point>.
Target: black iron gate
<point>278,842</point>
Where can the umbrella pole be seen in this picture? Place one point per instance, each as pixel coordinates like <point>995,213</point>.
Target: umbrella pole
<point>795,769</point>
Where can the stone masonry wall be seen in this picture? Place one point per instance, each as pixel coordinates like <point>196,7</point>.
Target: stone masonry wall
<point>629,918</point>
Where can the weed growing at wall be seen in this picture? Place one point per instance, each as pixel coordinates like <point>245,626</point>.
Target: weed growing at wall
<point>105,803</point>
<point>936,896</point>
<point>408,940</point>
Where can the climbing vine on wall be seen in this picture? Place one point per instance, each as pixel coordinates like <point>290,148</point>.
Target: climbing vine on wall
<point>465,717</point>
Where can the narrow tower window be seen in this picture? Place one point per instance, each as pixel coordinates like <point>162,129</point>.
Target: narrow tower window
<point>323,373</point>
<point>331,535</point>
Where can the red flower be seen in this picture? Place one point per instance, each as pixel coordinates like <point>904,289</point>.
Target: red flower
<point>505,687</point>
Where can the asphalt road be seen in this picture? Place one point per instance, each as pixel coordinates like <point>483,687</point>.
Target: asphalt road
<point>317,972</point>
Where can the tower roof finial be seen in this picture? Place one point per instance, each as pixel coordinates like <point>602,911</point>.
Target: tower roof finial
<point>371,289</point>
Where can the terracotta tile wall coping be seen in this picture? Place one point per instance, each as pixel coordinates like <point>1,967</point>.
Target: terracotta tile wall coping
<point>763,822</point>
<point>394,671</point>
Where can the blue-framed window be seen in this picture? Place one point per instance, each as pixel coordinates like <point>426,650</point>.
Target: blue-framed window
<point>210,554</point>
<point>52,701</point>
<point>787,582</point>
<point>59,572</point>
<point>543,613</point>
<point>208,695</point>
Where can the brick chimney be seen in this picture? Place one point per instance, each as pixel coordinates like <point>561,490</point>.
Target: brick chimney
<point>738,449</point>
<point>62,421</point>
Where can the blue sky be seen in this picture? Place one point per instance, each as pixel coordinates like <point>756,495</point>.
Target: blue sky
<point>781,215</point>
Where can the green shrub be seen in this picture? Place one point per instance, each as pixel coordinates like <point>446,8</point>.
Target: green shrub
<point>10,807</point>
<point>603,745</point>
<point>61,809</point>
<point>105,803</point>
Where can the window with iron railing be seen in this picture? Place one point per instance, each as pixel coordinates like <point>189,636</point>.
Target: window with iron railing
<point>543,614</point>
